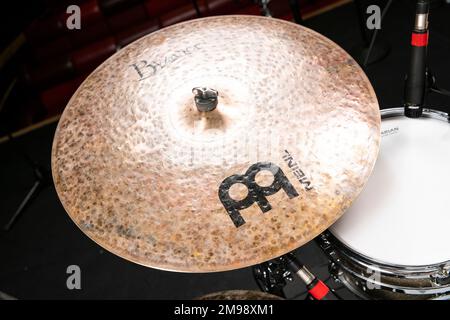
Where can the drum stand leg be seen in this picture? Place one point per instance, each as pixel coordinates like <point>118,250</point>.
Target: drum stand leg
<point>381,47</point>
<point>42,179</point>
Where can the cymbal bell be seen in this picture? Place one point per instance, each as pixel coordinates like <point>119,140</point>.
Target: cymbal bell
<point>275,143</point>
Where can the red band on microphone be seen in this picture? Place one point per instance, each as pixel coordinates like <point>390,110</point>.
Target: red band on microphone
<point>419,39</point>
<point>319,291</point>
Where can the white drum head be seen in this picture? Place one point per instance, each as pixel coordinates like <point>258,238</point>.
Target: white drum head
<point>403,215</point>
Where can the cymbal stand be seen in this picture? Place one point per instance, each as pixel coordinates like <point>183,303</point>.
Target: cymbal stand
<point>294,6</point>
<point>265,11</point>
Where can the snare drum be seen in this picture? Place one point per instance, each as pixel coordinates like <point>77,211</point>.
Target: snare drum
<point>394,242</point>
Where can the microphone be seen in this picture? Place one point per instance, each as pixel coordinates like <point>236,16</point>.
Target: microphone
<point>316,288</point>
<point>416,79</point>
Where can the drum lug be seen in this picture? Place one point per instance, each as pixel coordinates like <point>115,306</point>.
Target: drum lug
<point>335,271</point>
<point>442,277</point>
<point>327,247</point>
<point>272,276</point>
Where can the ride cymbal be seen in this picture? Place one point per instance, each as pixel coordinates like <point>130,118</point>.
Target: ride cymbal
<point>216,144</point>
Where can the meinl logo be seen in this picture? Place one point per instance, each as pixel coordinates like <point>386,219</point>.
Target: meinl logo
<point>256,193</point>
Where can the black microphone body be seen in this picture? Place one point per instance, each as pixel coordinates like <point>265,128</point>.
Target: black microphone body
<point>416,79</point>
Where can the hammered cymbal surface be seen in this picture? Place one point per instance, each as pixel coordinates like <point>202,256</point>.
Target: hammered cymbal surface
<point>240,295</point>
<point>138,168</point>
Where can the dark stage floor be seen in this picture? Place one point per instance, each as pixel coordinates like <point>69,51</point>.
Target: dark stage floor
<point>34,255</point>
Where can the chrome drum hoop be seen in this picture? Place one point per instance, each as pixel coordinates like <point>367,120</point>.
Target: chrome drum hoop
<point>356,270</point>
